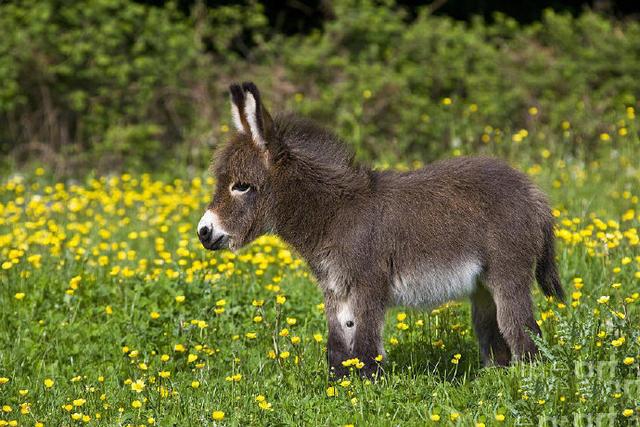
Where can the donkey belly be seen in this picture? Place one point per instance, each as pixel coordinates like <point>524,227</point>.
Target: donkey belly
<point>432,285</point>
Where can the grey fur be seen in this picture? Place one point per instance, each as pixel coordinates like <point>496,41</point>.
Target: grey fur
<point>468,226</point>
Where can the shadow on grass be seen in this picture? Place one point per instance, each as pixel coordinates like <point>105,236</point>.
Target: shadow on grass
<point>423,358</point>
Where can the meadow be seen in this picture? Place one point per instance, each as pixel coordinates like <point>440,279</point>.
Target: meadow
<point>111,312</point>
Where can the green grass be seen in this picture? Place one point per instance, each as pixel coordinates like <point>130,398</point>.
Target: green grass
<point>131,242</point>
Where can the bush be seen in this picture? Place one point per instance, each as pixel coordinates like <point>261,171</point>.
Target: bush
<point>416,90</point>
<point>74,72</point>
<point>120,84</point>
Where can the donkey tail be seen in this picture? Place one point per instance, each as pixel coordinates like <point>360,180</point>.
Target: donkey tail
<point>546,269</point>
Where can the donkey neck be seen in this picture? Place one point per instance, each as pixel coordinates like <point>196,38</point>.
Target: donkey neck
<point>309,200</point>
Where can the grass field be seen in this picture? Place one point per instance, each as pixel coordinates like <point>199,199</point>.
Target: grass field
<point>111,313</point>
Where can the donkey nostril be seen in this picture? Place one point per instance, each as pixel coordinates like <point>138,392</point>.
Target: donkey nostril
<point>204,233</point>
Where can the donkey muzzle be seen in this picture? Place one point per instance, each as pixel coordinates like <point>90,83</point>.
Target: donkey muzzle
<point>210,232</point>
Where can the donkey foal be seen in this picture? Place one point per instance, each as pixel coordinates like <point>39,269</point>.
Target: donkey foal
<point>461,227</point>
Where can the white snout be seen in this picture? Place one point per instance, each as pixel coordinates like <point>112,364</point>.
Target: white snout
<point>211,233</point>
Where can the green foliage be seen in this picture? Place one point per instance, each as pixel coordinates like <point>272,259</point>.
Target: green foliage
<point>72,72</point>
<point>133,146</point>
<point>386,83</point>
<point>75,74</point>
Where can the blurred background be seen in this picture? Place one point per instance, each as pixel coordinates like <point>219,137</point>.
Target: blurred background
<point>106,86</point>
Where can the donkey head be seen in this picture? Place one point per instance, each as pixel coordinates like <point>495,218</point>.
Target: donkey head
<point>235,216</point>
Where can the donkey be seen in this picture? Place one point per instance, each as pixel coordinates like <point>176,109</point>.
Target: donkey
<point>465,227</point>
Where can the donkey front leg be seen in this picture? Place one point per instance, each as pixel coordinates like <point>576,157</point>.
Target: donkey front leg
<point>355,331</point>
<point>341,334</point>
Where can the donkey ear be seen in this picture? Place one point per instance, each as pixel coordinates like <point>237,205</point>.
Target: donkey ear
<point>237,108</point>
<point>248,114</point>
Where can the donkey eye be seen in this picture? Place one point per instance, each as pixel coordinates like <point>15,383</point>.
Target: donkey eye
<point>240,187</point>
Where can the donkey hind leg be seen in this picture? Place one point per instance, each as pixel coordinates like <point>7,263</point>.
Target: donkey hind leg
<point>514,312</point>
<point>494,350</point>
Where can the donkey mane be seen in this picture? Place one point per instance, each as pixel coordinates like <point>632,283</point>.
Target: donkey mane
<point>320,152</point>
<point>306,140</point>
